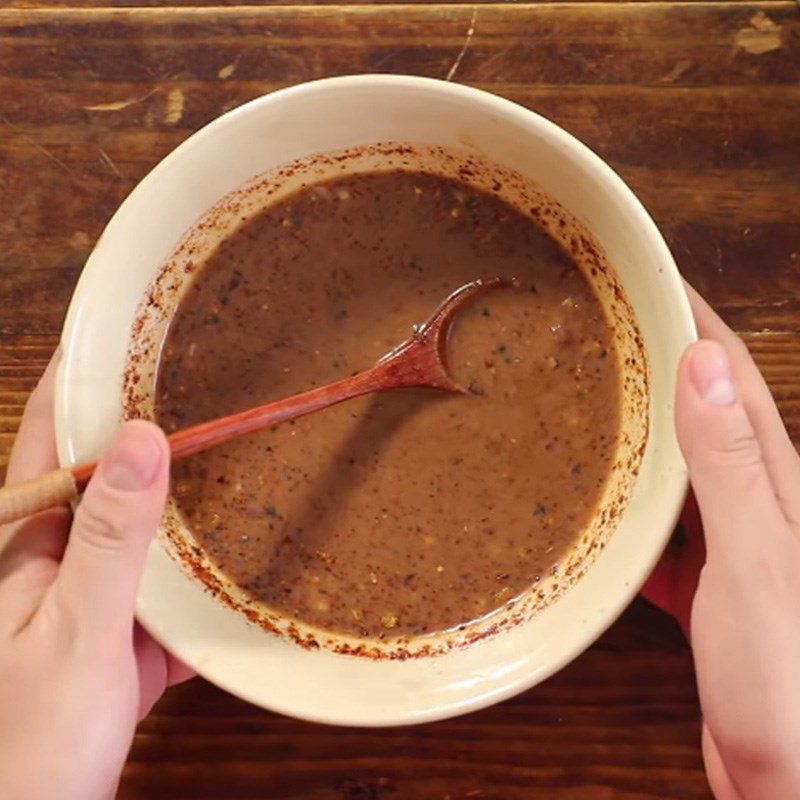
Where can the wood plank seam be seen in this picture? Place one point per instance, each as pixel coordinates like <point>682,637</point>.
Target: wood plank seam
<point>258,10</point>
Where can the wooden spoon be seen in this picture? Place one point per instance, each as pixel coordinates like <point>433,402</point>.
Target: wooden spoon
<point>418,362</point>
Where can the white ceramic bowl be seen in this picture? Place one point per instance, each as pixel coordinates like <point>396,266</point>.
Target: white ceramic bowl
<point>332,115</point>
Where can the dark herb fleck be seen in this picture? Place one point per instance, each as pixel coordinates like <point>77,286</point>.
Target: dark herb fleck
<point>236,280</point>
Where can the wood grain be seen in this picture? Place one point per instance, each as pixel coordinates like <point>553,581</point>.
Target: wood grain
<point>713,160</point>
<point>634,43</point>
<point>122,4</point>
<point>697,105</point>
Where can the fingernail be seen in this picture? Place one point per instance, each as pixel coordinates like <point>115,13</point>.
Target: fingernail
<point>710,371</point>
<point>131,463</point>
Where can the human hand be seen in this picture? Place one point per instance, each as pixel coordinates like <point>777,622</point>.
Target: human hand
<point>76,671</point>
<point>738,593</point>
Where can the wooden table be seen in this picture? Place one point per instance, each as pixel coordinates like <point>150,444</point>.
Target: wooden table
<point>697,105</point>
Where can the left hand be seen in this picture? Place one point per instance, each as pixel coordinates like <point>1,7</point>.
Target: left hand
<point>76,671</point>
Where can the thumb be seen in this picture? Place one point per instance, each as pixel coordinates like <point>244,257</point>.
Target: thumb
<point>118,516</point>
<point>731,481</point>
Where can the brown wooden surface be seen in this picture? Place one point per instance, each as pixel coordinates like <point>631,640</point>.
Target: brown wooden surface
<point>697,105</point>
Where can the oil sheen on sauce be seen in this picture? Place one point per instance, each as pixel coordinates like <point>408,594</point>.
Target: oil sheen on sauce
<point>411,511</point>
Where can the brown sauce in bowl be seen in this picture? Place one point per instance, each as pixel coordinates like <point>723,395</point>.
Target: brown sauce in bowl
<point>411,511</point>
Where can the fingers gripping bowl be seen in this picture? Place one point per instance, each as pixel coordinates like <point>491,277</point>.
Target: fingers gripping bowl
<point>217,182</point>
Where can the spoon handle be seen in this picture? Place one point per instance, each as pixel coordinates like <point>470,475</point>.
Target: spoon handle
<point>207,434</point>
<point>415,363</point>
<point>55,488</point>
<point>62,486</point>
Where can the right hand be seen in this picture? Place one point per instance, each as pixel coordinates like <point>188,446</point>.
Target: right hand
<point>742,606</point>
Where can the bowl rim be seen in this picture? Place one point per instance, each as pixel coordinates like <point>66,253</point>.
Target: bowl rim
<point>591,163</point>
